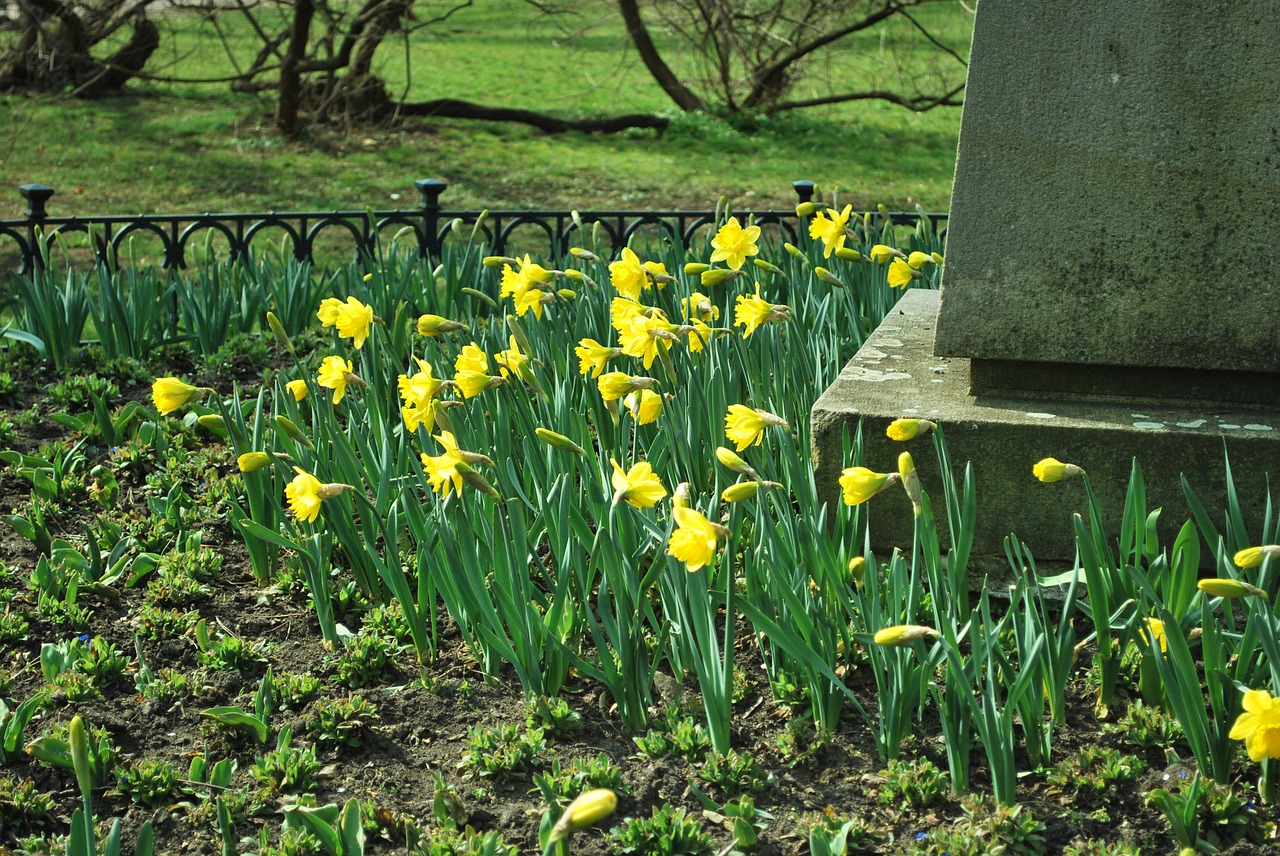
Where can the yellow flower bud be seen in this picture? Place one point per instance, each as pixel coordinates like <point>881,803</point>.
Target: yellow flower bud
<point>806,209</point>
<point>277,330</point>
<point>435,325</point>
<point>252,461</point>
<point>910,479</point>
<point>368,277</point>
<point>499,261</point>
<point>848,254</point>
<point>696,268</point>
<point>680,496</point>
<point>585,255</point>
<point>1218,587</point>
<point>731,460</point>
<point>558,441</point>
<point>566,294</point>
<point>589,808</point>
<point>765,266</point>
<point>297,388</point>
<point>719,276</point>
<point>738,491</point>
<point>78,743</point>
<point>908,429</point>
<point>292,431</point>
<point>904,634</point>
<point>857,570</point>
<point>793,249</point>
<point>213,422</point>
<point>828,277</point>
<point>1252,557</point>
<point>575,275</point>
<point>1051,470</point>
<point>937,258</point>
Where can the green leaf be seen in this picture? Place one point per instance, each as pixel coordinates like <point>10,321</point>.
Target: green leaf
<point>238,718</point>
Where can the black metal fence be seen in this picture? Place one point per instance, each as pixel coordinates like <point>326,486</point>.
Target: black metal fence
<point>429,225</point>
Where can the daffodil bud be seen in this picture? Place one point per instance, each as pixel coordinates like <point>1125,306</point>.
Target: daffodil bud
<point>332,489</point>
<point>719,276</point>
<point>731,460</point>
<point>937,258</point>
<point>904,634</point>
<point>857,570</point>
<point>680,497</point>
<point>481,296</point>
<point>589,808</point>
<point>435,325</point>
<point>908,429</point>
<point>768,267</point>
<point>251,462</point>
<point>910,479</point>
<point>739,491</point>
<point>213,422</point>
<point>573,274</point>
<point>297,388</point>
<point>277,330</point>
<point>498,261</point>
<point>828,277</point>
<point>806,209</point>
<point>1253,557</point>
<point>1052,470</point>
<point>848,254</point>
<point>696,268</point>
<point>292,431</point>
<point>567,294</point>
<point>478,481</point>
<point>479,224</point>
<point>78,743</point>
<point>1218,587</point>
<point>793,249</point>
<point>558,441</point>
<point>585,255</point>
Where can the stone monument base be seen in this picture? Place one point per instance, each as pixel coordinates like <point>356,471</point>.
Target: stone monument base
<point>896,374</point>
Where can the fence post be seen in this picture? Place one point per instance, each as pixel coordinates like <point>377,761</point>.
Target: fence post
<point>36,195</point>
<point>804,190</point>
<point>431,188</point>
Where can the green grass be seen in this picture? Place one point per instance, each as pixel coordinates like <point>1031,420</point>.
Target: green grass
<point>167,147</point>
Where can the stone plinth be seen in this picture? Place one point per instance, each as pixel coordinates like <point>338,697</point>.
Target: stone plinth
<point>896,374</point>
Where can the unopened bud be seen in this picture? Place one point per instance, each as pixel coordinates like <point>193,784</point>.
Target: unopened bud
<point>590,807</point>
<point>573,274</point>
<point>213,422</point>
<point>696,268</point>
<point>292,431</point>
<point>567,294</point>
<point>585,255</point>
<point>680,497</point>
<point>768,267</point>
<point>332,489</point>
<point>731,460</point>
<point>805,209</point>
<point>904,634</point>
<point>253,461</point>
<point>793,249</point>
<point>1218,587</point>
<point>848,254</point>
<point>481,296</point>
<point>367,277</point>
<point>857,570</point>
<point>477,481</point>
<point>1253,557</point>
<point>498,261</point>
<point>559,441</point>
<point>435,325</point>
<point>910,480</point>
<point>828,277</point>
<point>719,276</point>
<point>277,330</point>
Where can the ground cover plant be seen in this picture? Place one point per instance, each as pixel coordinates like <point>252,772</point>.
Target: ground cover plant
<point>488,555</point>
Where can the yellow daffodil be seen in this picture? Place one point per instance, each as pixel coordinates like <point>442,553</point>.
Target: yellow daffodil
<point>745,426</point>
<point>917,260</point>
<point>697,335</point>
<point>452,468</point>
<point>627,275</point>
<point>592,356</point>
<point>337,374</point>
<point>901,274</point>
<point>614,385</point>
<point>306,493</point>
<point>435,325</point>
<point>1051,470</point>
<point>904,634</point>
<point>251,462</point>
<point>1259,725</point>
<point>297,388</point>
<point>1219,587</point>
<point>658,275</point>
<point>169,393</point>
<point>751,311</point>
<point>644,338</point>
<point>733,244</point>
<point>328,312</point>
<point>699,307</point>
<point>831,229</point>
<point>1253,557</point>
<point>638,486</point>
<point>471,359</point>
<point>354,321</point>
<point>857,570</point>
<point>645,406</point>
<point>472,383</point>
<point>534,299</point>
<point>908,429</point>
<point>418,393</point>
<point>694,539</point>
<point>590,807</point>
<point>695,268</point>
<point>859,484</point>
<point>1154,633</point>
<point>882,253</point>
<point>515,283</point>
<point>514,361</point>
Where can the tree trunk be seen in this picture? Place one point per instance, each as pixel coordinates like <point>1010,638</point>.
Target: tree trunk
<point>685,99</point>
<point>290,95</point>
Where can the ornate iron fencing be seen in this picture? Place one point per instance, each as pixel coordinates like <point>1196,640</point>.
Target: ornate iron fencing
<point>430,226</point>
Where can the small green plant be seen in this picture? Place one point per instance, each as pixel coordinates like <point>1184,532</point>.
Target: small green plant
<point>1097,770</point>
<point>830,835</point>
<point>912,784</point>
<point>985,827</point>
<point>294,689</point>
<point>670,831</point>
<point>157,623</point>
<point>171,685</point>
<point>76,392</point>
<point>367,660</point>
<point>675,735</point>
<point>564,782</point>
<point>1147,727</point>
<point>341,721</point>
<point>21,802</point>
<point>150,782</point>
<point>467,842</point>
<point>229,651</point>
<point>101,753</point>
<point>733,772</point>
<point>174,588</point>
<point>1228,817</point>
<point>554,715</point>
<point>197,562</point>
<point>287,769</point>
<point>501,750</point>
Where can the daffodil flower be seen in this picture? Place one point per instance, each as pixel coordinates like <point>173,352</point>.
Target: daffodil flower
<point>859,484</point>
<point>694,539</point>
<point>638,486</point>
<point>745,426</point>
<point>168,394</point>
<point>732,244</point>
<point>1259,725</point>
<point>830,229</point>
<point>751,311</point>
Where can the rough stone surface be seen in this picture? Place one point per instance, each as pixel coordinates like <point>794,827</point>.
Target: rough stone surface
<point>1117,190</point>
<point>896,374</point>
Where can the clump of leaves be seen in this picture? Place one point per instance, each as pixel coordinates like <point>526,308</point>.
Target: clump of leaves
<point>149,782</point>
<point>448,841</point>
<point>21,802</point>
<point>829,834</point>
<point>1147,727</point>
<point>912,784</point>
<point>287,769</point>
<point>985,827</point>
<point>675,735</point>
<point>564,782</point>
<point>733,772</point>
<point>1096,770</point>
<point>555,715</point>
<point>670,831</point>
<point>294,689</point>
<point>341,721</point>
<point>367,660</point>
<point>157,623</point>
<point>501,750</point>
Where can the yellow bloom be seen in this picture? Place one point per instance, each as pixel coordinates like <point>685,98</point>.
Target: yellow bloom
<point>628,276</point>
<point>644,338</point>
<point>903,634</point>
<point>514,361</point>
<point>638,486</point>
<point>622,311</point>
<point>471,359</point>
<point>434,325</point>
<point>698,306</point>
<point>1259,725</point>
<point>592,356</point>
<point>745,426</point>
<point>733,244</point>
<point>453,466</point>
<point>306,493</point>
<point>252,461</point>
<point>353,321</point>
<point>697,335</point>
<point>297,388</point>
<point>908,429</point>
<point>471,383</point>
<point>614,385</point>
<point>644,405</point>
<point>857,570</point>
<point>859,484</point>
<point>1051,470</point>
<point>901,274</point>
<point>694,539</point>
<point>418,393</point>
<point>329,308</point>
<point>830,229</point>
<point>917,260</point>
<point>882,253</point>
<point>1155,635</point>
<point>1253,557</point>
<point>752,311</point>
<point>515,284</point>
<point>658,275</point>
<point>169,393</point>
<point>335,374</point>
